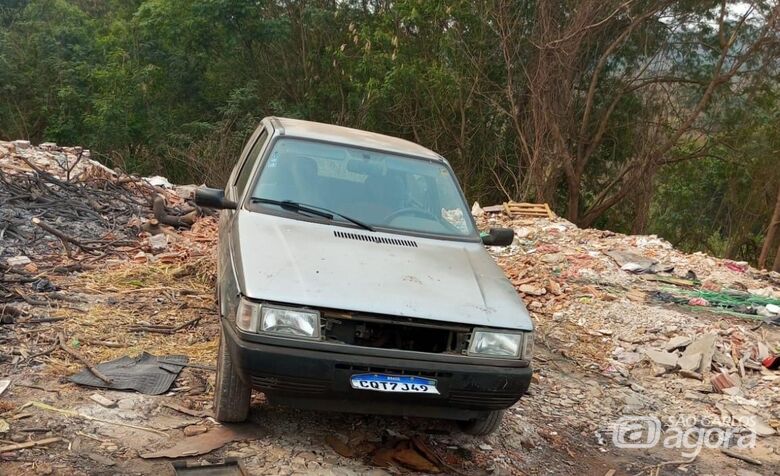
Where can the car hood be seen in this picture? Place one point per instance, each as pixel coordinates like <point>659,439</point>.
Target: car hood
<point>320,265</point>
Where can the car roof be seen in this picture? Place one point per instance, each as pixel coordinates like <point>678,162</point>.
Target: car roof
<point>347,136</point>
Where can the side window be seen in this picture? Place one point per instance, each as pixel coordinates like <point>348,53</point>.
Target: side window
<point>246,169</point>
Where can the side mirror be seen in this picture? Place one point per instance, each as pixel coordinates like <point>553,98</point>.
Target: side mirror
<point>213,198</point>
<point>499,237</point>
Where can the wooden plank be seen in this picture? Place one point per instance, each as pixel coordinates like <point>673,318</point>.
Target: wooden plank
<point>536,210</point>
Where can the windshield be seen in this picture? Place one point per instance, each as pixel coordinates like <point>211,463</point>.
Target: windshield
<point>379,189</point>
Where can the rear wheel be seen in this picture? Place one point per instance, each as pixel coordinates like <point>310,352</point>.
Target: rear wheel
<point>231,395</point>
<point>483,426</point>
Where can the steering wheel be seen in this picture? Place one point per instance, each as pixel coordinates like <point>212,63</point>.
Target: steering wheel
<point>410,211</point>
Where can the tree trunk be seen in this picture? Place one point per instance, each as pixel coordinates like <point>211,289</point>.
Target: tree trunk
<point>774,223</point>
<point>776,267</point>
<point>573,206</point>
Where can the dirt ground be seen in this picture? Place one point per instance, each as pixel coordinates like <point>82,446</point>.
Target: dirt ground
<point>550,431</point>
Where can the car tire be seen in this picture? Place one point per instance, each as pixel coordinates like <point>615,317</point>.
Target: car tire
<point>483,426</point>
<point>231,395</point>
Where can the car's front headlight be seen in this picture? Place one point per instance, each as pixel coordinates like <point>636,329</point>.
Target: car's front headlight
<point>507,345</point>
<point>286,321</point>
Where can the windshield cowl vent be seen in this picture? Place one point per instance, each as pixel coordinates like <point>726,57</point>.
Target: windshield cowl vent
<point>375,239</point>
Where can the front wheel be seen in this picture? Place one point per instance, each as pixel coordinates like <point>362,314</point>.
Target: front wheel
<point>231,395</point>
<point>483,426</point>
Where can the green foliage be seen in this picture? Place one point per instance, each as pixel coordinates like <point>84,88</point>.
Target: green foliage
<point>175,87</point>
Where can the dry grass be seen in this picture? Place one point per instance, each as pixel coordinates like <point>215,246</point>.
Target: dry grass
<point>141,294</point>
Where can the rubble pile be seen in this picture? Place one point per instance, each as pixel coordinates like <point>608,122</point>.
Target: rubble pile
<point>630,309</point>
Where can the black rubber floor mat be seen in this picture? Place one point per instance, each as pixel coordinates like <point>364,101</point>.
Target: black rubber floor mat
<point>146,373</point>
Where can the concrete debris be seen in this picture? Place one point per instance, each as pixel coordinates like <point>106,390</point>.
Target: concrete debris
<point>690,362</point>
<point>678,342</point>
<point>663,359</point>
<point>705,346</point>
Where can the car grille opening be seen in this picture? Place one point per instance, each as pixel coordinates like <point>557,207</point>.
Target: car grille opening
<point>375,239</point>
<point>395,333</point>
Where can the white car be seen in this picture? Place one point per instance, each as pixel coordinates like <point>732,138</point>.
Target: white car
<point>352,277</point>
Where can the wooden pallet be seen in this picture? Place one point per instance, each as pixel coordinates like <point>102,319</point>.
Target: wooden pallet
<point>532,210</point>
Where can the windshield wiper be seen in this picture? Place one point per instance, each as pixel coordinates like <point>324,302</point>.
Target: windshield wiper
<point>311,209</point>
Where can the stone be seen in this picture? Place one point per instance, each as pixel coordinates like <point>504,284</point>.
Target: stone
<point>706,346</point>
<point>629,357</point>
<point>677,343</point>
<point>690,362</point>
<point>158,243</point>
<point>20,260</point>
<point>532,290</point>
<point>723,360</point>
<point>125,404</point>
<point>553,258</point>
<point>554,288</point>
<point>524,232</point>
<point>690,374</point>
<point>663,359</point>
<point>48,145</point>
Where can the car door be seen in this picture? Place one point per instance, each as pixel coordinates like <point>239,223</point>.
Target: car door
<point>229,258</point>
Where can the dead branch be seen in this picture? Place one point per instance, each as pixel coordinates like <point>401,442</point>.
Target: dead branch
<point>62,236</point>
<point>75,354</point>
<point>162,216</point>
<point>165,329</point>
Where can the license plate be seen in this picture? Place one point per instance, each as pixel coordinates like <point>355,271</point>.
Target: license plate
<point>394,383</point>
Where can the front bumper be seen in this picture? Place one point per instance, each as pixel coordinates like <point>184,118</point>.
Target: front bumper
<point>320,379</point>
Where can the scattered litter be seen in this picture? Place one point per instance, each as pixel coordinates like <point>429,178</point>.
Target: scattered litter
<point>101,400</point>
<point>29,444</point>
<point>76,414</point>
<point>339,446</point>
<point>145,373</point>
<point>723,383</point>
<point>228,467</point>
<point>4,383</point>
<point>772,362</point>
<point>205,442</point>
<point>636,263</point>
<point>193,430</point>
<point>188,411</point>
<point>697,301</point>
<point>740,456</point>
